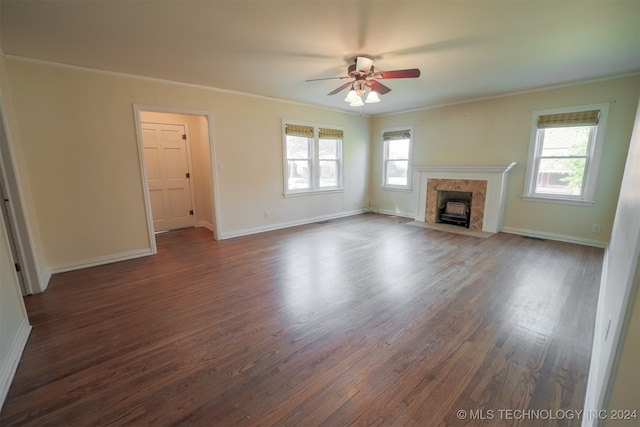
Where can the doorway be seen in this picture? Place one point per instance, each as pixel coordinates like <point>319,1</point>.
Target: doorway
<point>13,214</point>
<point>168,165</point>
<point>11,234</point>
<point>177,153</point>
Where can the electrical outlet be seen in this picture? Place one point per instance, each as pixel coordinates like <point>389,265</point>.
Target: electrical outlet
<point>596,228</point>
<point>267,214</point>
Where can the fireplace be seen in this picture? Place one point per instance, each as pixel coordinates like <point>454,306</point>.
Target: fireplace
<point>470,191</point>
<point>486,182</point>
<point>454,207</point>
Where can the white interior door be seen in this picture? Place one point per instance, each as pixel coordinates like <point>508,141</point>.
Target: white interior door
<point>168,176</point>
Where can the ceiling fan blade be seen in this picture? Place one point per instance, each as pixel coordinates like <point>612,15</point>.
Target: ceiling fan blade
<point>344,86</point>
<point>398,74</point>
<point>327,78</point>
<point>379,87</point>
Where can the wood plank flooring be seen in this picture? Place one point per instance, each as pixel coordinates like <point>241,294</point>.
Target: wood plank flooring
<point>360,321</point>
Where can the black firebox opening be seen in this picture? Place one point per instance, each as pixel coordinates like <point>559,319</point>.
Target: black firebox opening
<point>454,207</point>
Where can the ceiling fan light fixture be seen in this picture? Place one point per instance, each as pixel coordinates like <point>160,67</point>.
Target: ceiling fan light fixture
<point>372,97</point>
<point>365,81</point>
<point>352,96</point>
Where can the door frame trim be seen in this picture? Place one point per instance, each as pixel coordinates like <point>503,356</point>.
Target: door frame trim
<point>137,109</point>
<point>34,279</point>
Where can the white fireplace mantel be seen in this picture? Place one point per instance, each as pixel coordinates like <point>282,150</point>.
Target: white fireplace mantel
<point>494,173</point>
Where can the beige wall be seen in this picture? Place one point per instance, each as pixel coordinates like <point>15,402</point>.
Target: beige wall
<point>497,131</point>
<point>36,271</point>
<point>78,138</point>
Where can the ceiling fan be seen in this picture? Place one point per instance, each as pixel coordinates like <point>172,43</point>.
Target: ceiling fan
<point>365,77</point>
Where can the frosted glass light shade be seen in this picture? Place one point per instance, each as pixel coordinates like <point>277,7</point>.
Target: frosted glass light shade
<point>351,96</point>
<point>372,97</point>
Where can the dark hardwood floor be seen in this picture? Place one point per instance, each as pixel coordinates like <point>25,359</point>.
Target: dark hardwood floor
<point>365,320</point>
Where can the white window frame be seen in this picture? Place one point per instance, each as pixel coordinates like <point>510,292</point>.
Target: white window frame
<point>592,165</point>
<point>314,162</point>
<point>385,153</point>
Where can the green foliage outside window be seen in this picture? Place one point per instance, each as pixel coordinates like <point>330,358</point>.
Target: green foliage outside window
<point>564,152</point>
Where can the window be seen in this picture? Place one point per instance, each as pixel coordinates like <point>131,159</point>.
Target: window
<point>564,154</point>
<point>329,143</point>
<point>396,158</point>
<point>313,158</point>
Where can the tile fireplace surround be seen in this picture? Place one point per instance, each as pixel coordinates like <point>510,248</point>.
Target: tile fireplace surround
<point>487,182</point>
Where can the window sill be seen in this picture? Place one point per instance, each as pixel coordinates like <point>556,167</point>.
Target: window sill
<point>558,200</point>
<point>313,192</point>
<point>401,189</point>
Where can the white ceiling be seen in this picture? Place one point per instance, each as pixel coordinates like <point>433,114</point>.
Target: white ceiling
<point>465,49</point>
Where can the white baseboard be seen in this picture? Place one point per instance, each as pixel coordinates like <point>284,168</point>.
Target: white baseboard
<point>10,363</point>
<point>207,225</point>
<point>45,277</point>
<point>558,237</point>
<point>395,213</point>
<point>281,225</point>
<point>92,262</point>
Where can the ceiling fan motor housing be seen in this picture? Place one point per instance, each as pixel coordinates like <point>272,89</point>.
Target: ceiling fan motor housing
<point>357,74</point>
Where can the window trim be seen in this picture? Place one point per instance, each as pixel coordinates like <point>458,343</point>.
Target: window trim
<point>383,184</point>
<point>592,164</point>
<point>314,161</point>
